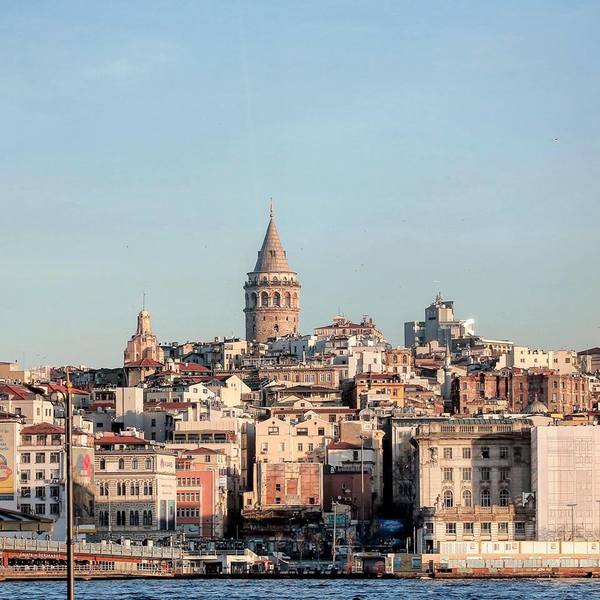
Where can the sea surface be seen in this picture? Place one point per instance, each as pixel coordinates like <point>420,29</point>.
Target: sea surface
<point>309,589</point>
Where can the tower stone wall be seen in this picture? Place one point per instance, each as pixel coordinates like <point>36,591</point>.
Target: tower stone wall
<point>272,292</point>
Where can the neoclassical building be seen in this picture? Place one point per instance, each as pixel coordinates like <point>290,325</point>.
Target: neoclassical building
<point>272,292</point>
<point>143,344</point>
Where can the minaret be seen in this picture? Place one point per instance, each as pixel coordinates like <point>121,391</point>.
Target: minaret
<point>272,291</point>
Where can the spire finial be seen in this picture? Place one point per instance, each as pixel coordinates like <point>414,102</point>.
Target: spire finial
<point>271,209</point>
<point>144,301</point>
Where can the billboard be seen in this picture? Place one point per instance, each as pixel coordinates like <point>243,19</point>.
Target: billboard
<point>8,459</point>
<point>83,485</point>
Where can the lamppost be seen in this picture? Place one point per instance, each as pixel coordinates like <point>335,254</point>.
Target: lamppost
<point>362,489</point>
<point>598,503</point>
<point>69,485</point>
<point>572,506</point>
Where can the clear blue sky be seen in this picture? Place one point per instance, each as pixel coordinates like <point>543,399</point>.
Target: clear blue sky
<point>408,146</point>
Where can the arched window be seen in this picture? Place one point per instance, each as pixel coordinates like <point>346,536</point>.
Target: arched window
<point>504,497</point>
<point>276,328</point>
<point>102,464</point>
<point>150,489</point>
<point>288,299</point>
<point>134,464</point>
<point>253,300</point>
<point>485,498</point>
<point>149,517</point>
<point>467,498</point>
<point>145,488</point>
<point>131,518</point>
<point>448,499</point>
<point>148,463</point>
<point>295,300</point>
<point>277,299</point>
<point>405,360</point>
<point>121,464</point>
<point>264,299</point>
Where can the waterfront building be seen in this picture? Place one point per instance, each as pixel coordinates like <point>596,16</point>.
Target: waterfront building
<point>565,467</point>
<point>22,402</point>
<point>135,488</point>
<point>473,481</point>
<point>272,292</point>
<point>202,492</point>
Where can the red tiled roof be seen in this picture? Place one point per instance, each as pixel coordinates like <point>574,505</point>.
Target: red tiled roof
<point>342,446</point>
<point>202,450</point>
<point>192,367</point>
<point>109,440</point>
<point>59,387</point>
<point>15,390</point>
<point>41,428</point>
<point>144,362</point>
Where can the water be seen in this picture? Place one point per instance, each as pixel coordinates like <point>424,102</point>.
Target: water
<point>320,589</point>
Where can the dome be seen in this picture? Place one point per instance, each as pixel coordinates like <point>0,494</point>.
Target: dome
<point>535,408</point>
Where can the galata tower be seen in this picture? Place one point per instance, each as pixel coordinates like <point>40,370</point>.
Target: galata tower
<point>272,292</point>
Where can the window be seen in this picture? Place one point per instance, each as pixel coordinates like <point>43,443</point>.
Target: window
<point>54,457</point>
<point>450,528</point>
<point>485,473</point>
<point>148,463</point>
<point>468,528</point>
<point>503,452</point>
<point>40,509</point>
<point>520,527</point>
<point>121,464</point>
<point>448,499</point>
<point>54,509</point>
<point>504,497</point>
<point>26,458</point>
<point>467,498</point>
<point>25,492</point>
<point>273,431</point>
<point>448,453</point>
<point>24,476</point>
<point>321,431</point>
<point>277,500</point>
<point>466,453</point>
<point>517,453</point>
<point>311,500</point>
<point>486,528</point>
<point>26,509</point>
<point>447,474</point>
<point>466,474</point>
<point>503,528</point>
<point>40,458</point>
<point>300,447</point>
<point>277,487</point>
<point>504,474</point>
<point>39,475</point>
<point>301,431</point>
<point>54,491</point>
<point>311,447</point>
<point>40,491</point>
<point>102,464</point>
<point>134,464</point>
<point>485,452</point>
<point>485,498</point>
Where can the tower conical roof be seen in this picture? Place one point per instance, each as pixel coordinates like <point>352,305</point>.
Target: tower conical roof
<point>271,256</point>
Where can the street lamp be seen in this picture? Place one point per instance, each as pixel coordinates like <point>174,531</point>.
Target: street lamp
<point>572,506</point>
<point>69,485</point>
<point>598,503</point>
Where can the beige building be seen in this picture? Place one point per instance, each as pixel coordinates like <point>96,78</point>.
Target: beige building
<point>565,467</point>
<point>473,481</point>
<point>302,441</point>
<point>34,408</point>
<point>11,373</point>
<point>564,362</point>
<point>272,292</point>
<point>136,488</point>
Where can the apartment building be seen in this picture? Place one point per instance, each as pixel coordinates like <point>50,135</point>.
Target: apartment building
<point>473,481</point>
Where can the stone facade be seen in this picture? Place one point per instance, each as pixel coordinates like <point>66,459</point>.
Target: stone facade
<point>272,292</point>
<point>143,344</point>
<point>473,476</point>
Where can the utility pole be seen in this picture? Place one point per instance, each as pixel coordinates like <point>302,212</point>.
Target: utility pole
<point>69,486</point>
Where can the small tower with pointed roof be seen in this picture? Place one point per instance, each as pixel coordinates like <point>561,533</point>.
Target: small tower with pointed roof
<point>272,291</point>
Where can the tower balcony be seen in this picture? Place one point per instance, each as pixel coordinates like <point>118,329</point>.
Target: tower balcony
<point>267,283</point>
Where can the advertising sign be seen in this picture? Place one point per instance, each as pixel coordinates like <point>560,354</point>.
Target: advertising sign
<point>83,485</point>
<point>8,434</point>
